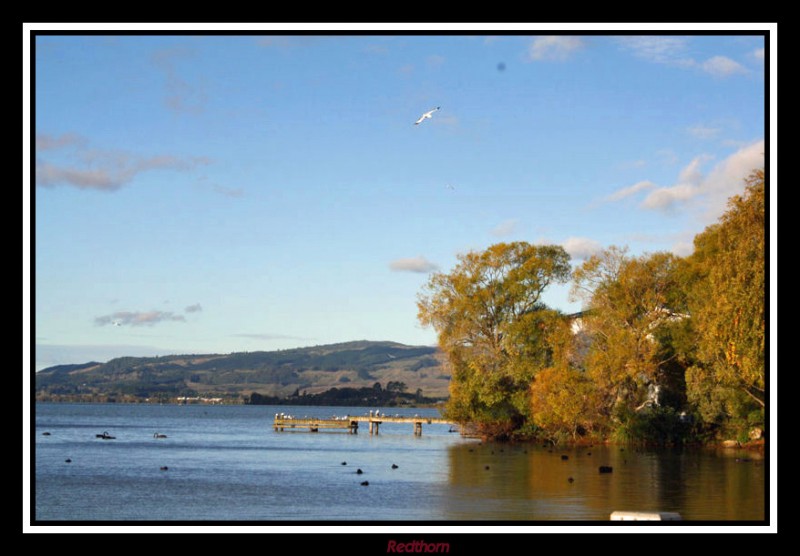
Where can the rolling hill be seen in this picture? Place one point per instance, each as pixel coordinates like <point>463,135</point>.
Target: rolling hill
<point>234,377</point>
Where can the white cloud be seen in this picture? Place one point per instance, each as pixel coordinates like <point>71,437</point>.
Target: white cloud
<point>413,264</point>
<point>666,198</point>
<point>554,47</point>
<point>505,228</point>
<point>581,247</point>
<point>709,192</point>
<point>662,50</point>
<point>631,190</point>
<point>722,66</point>
<point>758,54</point>
<point>701,131</point>
<point>683,248</point>
<point>45,142</point>
<point>102,170</point>
<point>727,178</point>
<point>691,173</point>
<point>138,318</point>
<point>182,96</point>
<point>673,51</point>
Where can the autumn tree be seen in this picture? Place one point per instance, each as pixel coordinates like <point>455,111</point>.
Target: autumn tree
<point>492,325</point>
<point>630,302</point>
<point>727,302</point>
<point>564,400</point>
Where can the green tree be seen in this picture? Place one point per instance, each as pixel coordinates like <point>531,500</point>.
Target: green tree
<point>398,386</point>
<point>492,325</point>
<point>727,301</point>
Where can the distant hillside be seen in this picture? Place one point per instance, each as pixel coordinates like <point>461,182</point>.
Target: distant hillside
<point>234,377</point>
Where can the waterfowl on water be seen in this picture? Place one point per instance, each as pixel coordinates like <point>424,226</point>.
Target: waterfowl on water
<point>159,435</point>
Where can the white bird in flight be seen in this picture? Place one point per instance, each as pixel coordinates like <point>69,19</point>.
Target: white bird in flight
<point>426,115</point>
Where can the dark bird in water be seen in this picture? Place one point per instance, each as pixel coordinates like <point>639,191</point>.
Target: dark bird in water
<point>571,480</point>
<point>606,469</point>
<point>565,458</point>
<point>358,472</point>
<point>67,460</point>
<point>45,433</point>
<point>159,435</point>
<point>164,468</point>
<point>588,453</point>
<point>487,467</point>
<point>105,436</point>
<point>365,483</point>
<point>344,463</point>
<point>394,466</point>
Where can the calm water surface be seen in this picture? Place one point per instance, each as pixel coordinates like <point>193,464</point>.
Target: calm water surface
<point>225,463</point>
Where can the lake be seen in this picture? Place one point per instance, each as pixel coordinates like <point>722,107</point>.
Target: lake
<point>226,464</point>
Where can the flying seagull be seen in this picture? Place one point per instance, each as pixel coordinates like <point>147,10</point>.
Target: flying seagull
<point>426,115</point>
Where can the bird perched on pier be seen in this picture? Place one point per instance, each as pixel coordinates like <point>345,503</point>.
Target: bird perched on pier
<point>426,115</point>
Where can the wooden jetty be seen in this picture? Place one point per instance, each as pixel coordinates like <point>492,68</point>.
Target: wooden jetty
<point>351,422</point>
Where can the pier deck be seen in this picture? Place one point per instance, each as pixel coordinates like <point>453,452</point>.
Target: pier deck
<point>351,422</point>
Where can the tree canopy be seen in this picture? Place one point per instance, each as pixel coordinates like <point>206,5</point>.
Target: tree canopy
<point>492,325</point>
<point>667,348</point>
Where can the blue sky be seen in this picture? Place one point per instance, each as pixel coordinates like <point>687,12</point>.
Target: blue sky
<point>199,193</point>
